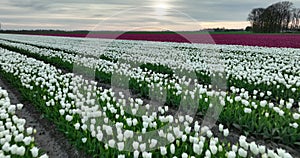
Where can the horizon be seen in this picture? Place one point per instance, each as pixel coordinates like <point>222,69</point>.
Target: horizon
<point>61,30</point>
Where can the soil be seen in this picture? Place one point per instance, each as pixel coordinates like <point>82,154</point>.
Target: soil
<point>47,138</point>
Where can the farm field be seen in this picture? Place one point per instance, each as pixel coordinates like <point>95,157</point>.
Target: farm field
<point>263,40</point>
<point>154,96</point>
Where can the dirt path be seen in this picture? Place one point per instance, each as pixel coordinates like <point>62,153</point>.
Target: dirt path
<point>47,137</point>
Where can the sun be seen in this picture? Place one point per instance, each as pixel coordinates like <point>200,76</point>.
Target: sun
<point>161,8</point>
<point>162,5</point>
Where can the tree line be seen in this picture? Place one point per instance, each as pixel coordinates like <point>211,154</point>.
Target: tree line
<point>278,17</point>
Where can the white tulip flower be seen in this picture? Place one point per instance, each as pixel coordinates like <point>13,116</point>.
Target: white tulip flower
<point>225,132</point>
<point>213,149</point>
<point>296,116</point>
<point>136,154</point>
<point>183,138</point>
<point>6,147</point>
<point>21,151</point>
<point>34,152</point>
<point>172,148</point>
<point>247,110</point>
<point>120,146</point>
<point>44,156</point>
<point>197,149</point>
<point>231,154</point>
<point>163,151</point>
<point>242,152</point>
<point>170,137</point>
<point>143,147</point>
<point>221,127</point>
<point>111,143</point>
<point>262,149</point>
<point>234,148</point>
<point>121,156</point>
<point>254,148</point>
<point>84,140</point>
<point>29,130</point>
<point>184,155</point>
<point>135,145</point>
<point>27,140</point>
<point>153,143</point>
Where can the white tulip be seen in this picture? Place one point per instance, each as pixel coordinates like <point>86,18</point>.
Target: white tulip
<point>19,106</point>
<point>163,151</point>
<point>27,140</point>
<point>111,143</point>
<point>184,155</point>
<point>296,116</point>
<point>136,154</point>
<point>183,138</point>
<point>120,146</point>
<point>213,149</point>
<point>243,143</point>
<point>121,156</point>
<point>69,118</point>
<point>172,148</point>
<point>34,152</point>
<point>221,127</point>
<point>135,145</point>
<point>84,140</point>
<point>234,148</point>
<point>19,137</point>
<point>294,125</point>
<point>44,156</point>
<point>153,143</point>
<point>77,126</point>
<point>6,147</point>
<point>247,110</point>
<point>21,151</point>
<point>226,132</point>
<point>143,147</point>
<point>254,148</point>
<point>197,149</point>
<point>231,154</point>
<point>242,152</point>
<point>29,130</point>
<point>262,149</point>
<point>263,103</point>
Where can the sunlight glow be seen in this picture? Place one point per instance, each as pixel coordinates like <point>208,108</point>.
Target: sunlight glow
<point>161,8</point>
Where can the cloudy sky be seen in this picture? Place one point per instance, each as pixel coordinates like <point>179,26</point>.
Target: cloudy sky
<point>127,14</point>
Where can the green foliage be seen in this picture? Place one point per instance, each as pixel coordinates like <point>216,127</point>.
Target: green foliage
<point>157,68</point>
<point>104,57</point>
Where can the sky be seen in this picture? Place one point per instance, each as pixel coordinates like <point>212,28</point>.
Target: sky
<point>128,15</point>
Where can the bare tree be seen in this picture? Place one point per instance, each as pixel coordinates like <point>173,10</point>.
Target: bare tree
<point>255,17</point>
<point>295,19</point>
<point>275,18</point>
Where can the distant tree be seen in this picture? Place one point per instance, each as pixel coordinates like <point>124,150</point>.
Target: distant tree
<point>295,19</point>
<point>275,18</point>
<point>255,18</point>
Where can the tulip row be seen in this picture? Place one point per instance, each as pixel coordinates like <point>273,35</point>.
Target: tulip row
<point>15,139</point>
<point>71,102</point>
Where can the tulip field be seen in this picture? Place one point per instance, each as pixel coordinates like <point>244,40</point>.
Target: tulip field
<point>125,98</point>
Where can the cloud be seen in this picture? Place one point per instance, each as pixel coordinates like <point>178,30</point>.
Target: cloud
<point>76,14</point>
